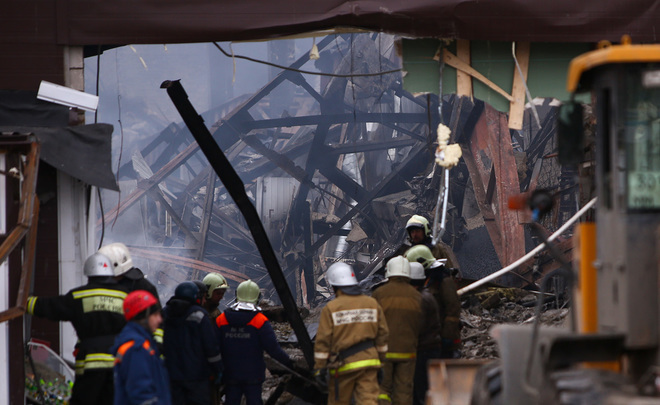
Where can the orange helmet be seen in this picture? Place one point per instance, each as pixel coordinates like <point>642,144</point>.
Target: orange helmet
<point>138,301</point>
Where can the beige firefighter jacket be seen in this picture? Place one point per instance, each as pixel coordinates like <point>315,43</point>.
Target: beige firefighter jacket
<point>345,321</point>
<point>402,305</point>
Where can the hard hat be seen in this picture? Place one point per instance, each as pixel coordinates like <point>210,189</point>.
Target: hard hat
<point>203,288</point>
<point>420,254</point>
<point>119,257</point>
<point>341,274</point>
<point>248,291</point>
<point>418,221</point>
<point>417,271</point>
<point>188,291</point>
<point>397,267</point>
<point>140,301</point>
<point>214,281</point>
<point>97,265</point>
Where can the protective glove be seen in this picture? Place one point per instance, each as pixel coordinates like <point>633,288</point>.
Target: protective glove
<point>321,377</point>
<point>380,376</point>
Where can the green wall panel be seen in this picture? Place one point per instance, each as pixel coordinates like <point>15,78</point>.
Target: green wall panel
<point>546,77</point>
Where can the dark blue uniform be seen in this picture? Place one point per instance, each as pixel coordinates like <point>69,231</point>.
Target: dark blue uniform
<point>192,354</point>
<point>140,376</point>
<point>244,335</point>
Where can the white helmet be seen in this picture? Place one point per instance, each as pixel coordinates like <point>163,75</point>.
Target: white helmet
<point>341,275</point>
<point>397,267</point>
<point>119,257</point>
<point>417,271</point>
<point>97,265</point>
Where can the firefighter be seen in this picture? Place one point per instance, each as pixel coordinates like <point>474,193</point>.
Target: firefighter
<point>350,342</point>
<point>140,375</point>
<point>190,346</point>
<point>216,288</point>
<point>429,345</point>
<point>95,310</point>
<point>402,305</point>
<point>442,286</point>
<point>419,233</point>
<point>244,335</point>
<point>130,277</point>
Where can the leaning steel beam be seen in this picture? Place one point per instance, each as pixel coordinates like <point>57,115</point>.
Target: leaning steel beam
<point>236,189</point>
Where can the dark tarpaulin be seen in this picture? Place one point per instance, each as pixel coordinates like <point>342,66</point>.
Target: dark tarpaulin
<point>101,22</point>
<point>83,152</point>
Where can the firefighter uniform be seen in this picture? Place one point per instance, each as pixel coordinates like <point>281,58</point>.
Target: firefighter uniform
<point>429,344</point>
<point>96,312</point>
<point>401,303</point>
<point>350,323</point>
<point>449,308</point>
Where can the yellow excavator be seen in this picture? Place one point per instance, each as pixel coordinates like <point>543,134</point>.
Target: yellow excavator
<point>609,353</point>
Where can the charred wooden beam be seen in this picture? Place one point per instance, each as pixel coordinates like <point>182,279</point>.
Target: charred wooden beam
<point>369,146</point>
<point>405,118</point>
<point>187,262</point>
<point>413,156</point>
<point>236,189</point>
<point>206,218</point>
<point>490,148</point>
<point>157,195</point>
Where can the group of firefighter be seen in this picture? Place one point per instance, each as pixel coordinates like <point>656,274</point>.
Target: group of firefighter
<point>370,350</point>
<point>375,350</point>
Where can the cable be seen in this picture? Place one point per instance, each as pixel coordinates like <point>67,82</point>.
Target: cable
<point>307,72</point>
<point>534,251</point>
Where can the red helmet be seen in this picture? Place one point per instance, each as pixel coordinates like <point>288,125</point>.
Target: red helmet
<point>136,302</point>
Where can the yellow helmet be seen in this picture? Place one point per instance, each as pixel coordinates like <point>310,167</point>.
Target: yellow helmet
<point>420,254</point>
<point>214,281</point>
<point>248,291</point>
<point>418,221</point>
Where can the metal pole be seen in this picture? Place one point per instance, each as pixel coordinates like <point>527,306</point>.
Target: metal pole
<point>236,189</point>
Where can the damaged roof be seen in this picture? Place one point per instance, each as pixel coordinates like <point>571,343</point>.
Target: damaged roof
<point>117,22</point>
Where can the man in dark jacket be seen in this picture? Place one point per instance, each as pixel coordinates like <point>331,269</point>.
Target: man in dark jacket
<point>441,284</point>
<point>95,310</point>
<point>192,355</point>
<point>429,345</point>
<point>139,374</point>
<point>244,335</point>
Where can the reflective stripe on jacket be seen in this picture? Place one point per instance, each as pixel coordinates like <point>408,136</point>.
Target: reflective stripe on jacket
<point>346,321</point>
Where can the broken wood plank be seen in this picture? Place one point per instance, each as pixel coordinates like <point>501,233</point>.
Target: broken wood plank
<point>463,80</point>
<point>453,61</point>
<point>517,106</point>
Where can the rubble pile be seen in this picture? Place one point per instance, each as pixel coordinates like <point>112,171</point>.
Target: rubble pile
<point>483,310</point>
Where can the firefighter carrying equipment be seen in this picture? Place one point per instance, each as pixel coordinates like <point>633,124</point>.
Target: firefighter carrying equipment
<point>140,304</point>
<point>98,265</point>
<point>397,266</point>
<point>119,257</point>
<point>341,274</point>
<point>213,282</point>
